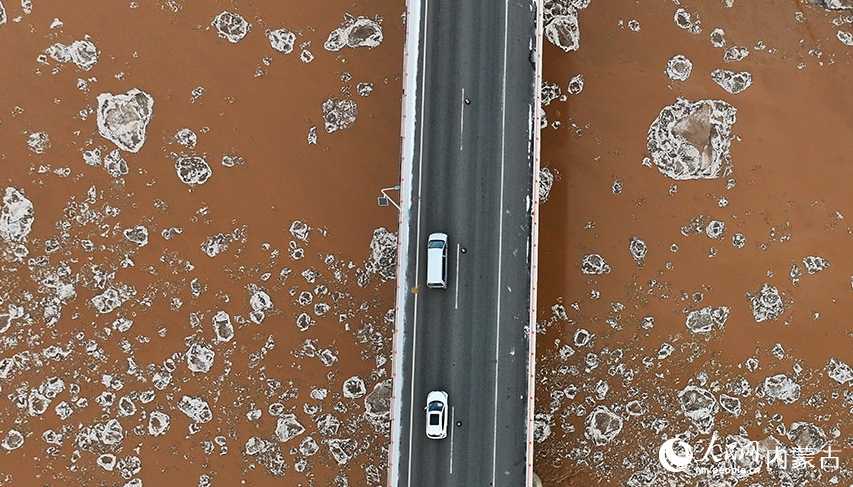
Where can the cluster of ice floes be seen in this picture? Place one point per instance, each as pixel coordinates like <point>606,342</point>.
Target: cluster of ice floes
<point>355,32</point>
<point>690,140</point>
<point>83,53</point>
<point>231,26</point>
<point>339,114</point>
<point>560,23</point>
<point>732,82</point>
<point>123,118</point>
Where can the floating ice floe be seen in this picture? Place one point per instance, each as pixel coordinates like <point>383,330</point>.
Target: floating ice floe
<point>300,230</point>
<point>110,433</point>
<point>92,157</point>
<point>560,21</point>
<point>839,371</point>
<point>731,405</point>
<point>123,118</point>
<point>3,16</point>
<point>383,254</point>
<point>328,425</point>
<point>342,449</point>
<point>542,426</point>
<point>364,88</point>
<point>715,229</point>
<point>354,32</point>
<point>309,447</point>
<point>107,461</point>
<point>549,92</point>
<point>594,264</point>
<point>200,358</point>
<point>845,37</point>
<point>836,4</point>
<point>137,235</point>
<point>815,264</point>
<point>807,436</point>
<point>38,142</point>
<point>637,248</point>
<point>231,26</point>
<point>730,81</point>
<point>546,182</point>
<point>766,303</point>
<point>112,298</point>
<point>186,138</point>
<point>602,425</point>
<point>690,140</point>
<point>222,327</point>
<point>282,40</point>
<point>735,53</point>
<point>195,408</point>
<point>83,53</point>
<point>718,38</point>
<point>288,427</point>
<point>256,445</point>
<point>16,216</point>
<point>115,165</point>
<point>354,387</point>
<point>192,170</point>
<point>575,84</point>
<point>13,440</point>
<point>339,114</point>
<point>678,68</point>
<point>703,320</point>
<point>699,406</point>
<point>377,406</point>
<point>684,20</point>
<point>312,135</point>
<point>781,387</point>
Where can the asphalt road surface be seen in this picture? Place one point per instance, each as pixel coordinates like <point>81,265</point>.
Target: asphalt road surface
<point>473,168</point>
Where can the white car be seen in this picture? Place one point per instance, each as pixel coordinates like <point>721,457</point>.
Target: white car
<point>436,415</point>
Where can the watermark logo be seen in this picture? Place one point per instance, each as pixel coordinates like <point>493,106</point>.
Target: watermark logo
<point>742,458</point>
<point>671,459</point>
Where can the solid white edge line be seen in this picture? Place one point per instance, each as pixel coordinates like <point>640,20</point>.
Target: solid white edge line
<point>462,120</point>
<point>452,423</point>
<point>500,244</point>
<point>417,254</point>
<point>456,286</point>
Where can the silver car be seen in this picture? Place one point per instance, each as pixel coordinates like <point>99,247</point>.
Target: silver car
<point>436,415</point>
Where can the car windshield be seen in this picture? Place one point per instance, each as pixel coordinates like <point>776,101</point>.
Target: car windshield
<point>435,406</point>
<point>436,244</point>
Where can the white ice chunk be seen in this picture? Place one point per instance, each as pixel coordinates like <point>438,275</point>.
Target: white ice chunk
<point>195,408</point>
<point>355,32</point>
<point>699,406</point>
<point>690,140</point>
<point>594,264</point>
<point>678,68</point>
<point>231,26</point>
<point>282,40</point>
<point>602,425</point>
<point>16,217</point>
<point>782,388</point>
<point>193,170</point>
<point>288,427</point>
<point>730,81</point>
<point>766,303</point>
<point>123,118</point>
<point>354,387</point>
<point>200,358</point>
<point>158,423</point>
